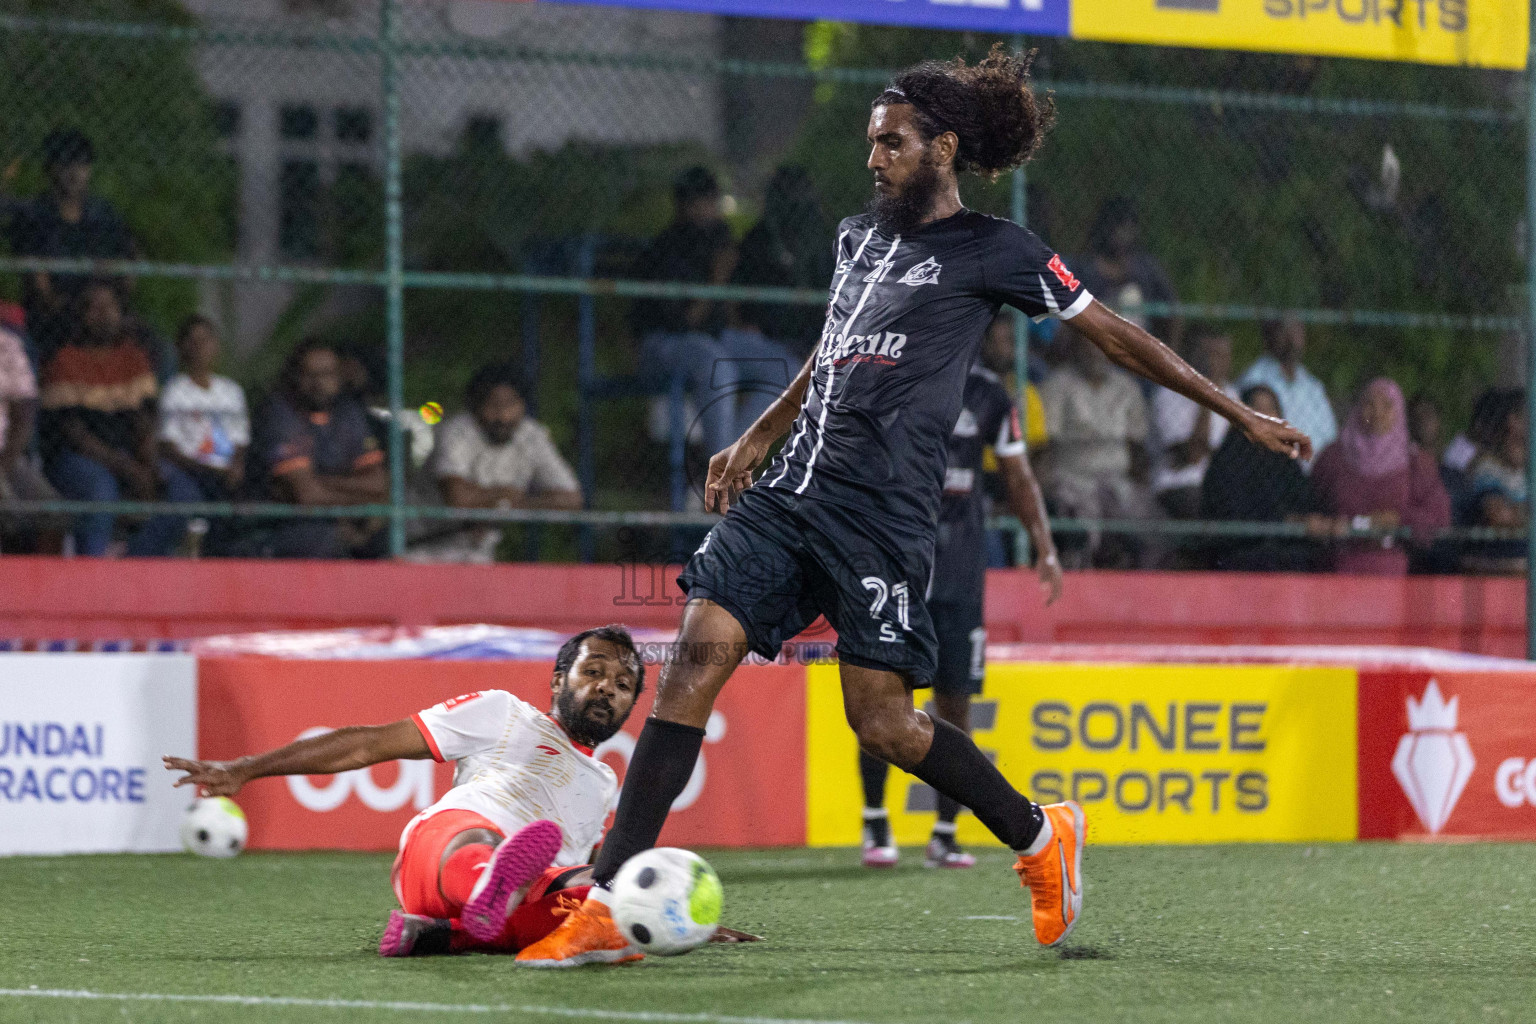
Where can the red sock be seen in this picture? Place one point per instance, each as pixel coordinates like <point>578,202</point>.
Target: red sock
<point>534,919</point>
<point>530,922</point>
<point>460,873</point>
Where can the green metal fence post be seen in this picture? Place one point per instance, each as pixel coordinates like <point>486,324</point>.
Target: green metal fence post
<point>1530,339</point>
<point>394,266</point>
<point>1020,213</point>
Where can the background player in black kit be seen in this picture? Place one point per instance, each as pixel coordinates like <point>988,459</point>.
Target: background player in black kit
<point>988,421</point>
<point>842,523</point>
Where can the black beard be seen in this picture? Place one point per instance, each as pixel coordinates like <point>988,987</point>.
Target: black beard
<point>900,212</point>
<point>573,719</point>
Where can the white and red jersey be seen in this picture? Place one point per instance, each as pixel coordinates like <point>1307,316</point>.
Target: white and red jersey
<point>516,765</point>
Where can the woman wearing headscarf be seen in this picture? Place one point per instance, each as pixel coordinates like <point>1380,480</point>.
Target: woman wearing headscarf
<point>1375,476</point>
<point>1249,483</point>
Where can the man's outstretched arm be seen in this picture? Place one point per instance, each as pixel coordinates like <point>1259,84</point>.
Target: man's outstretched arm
<point>1028,506</point>
<point>730,471</point>
<point>1133,348</point>
<point>342,750</point>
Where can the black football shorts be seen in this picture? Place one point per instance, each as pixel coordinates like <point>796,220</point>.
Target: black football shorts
<point>962,646</point>
<point>776,562</point>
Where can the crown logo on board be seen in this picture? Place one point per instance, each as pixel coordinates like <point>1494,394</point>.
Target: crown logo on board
<point>1433,761</point>
<point>1433,711</point>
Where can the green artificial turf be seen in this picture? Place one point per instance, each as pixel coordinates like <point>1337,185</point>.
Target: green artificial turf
<point>1232,933</point>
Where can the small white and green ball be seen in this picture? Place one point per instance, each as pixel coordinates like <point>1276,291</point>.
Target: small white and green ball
<point>666,901</point>
<point>214,827</point>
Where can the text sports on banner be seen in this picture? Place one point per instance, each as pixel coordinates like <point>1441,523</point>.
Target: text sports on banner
<point>1429,31</point>
<point>1154,753</point>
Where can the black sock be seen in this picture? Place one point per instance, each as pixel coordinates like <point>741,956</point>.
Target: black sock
<point>949,810</point>
<point>662,763</point>
<point>873,771</point>
<point>877,827</point>
<point>955,768</point>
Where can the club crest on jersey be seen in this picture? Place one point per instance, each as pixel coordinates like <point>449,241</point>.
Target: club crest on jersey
<point>926,272</point>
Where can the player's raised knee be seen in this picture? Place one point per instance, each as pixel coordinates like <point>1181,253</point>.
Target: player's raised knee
<point>891,734</point>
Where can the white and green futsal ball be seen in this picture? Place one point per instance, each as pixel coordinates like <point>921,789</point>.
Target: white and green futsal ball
<point>214,827</point>
<point>666,901</point>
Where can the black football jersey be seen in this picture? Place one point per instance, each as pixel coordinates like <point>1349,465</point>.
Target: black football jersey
<point>906,318</point>
<point>987,419</point>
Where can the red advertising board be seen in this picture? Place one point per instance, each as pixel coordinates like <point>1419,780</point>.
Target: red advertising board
<point>747,790</point>
<point>1447,754</point>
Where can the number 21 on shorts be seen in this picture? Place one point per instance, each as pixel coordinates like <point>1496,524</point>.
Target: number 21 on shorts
<point>884,593</point>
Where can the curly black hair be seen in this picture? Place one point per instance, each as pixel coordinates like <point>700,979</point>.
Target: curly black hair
<point>990,106</point>
<point>490,377</point>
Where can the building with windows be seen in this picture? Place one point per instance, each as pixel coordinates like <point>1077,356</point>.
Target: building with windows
<point>297,91</point>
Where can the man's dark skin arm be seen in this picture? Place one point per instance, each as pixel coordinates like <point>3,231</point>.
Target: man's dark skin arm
<point>170,453</point>
<point>21,418</point>
<point>233,474</point>
<point>357,746</point>
<point>361,487</point>
<point>1499,511</point>
<point>144,448</point>
<point>1197,446</point>
<point>462,493</point>
<point>1028,506</point>
<point>1134,349</point>
<point>138,478</point>
<point>730,471</point>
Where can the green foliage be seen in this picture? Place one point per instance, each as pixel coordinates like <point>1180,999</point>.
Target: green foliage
<point>478,209</point>
<point>140,101</point>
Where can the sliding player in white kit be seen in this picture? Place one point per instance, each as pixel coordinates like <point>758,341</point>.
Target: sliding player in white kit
<point>496,862</point>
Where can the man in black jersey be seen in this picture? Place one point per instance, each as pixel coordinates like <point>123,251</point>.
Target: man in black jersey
<point>988,422</point>
<point>842,523</point>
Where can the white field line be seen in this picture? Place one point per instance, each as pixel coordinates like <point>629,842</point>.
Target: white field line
<point>655,1016</point>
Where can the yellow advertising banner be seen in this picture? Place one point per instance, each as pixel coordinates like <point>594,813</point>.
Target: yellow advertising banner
<point>1154,753</point>
<point>1487,33</point>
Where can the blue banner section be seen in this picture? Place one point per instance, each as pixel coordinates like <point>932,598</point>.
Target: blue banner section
<point>1027,17</point>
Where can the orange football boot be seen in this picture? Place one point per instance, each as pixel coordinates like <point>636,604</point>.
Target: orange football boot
<point>1054,876</point>
<point>586,936</point>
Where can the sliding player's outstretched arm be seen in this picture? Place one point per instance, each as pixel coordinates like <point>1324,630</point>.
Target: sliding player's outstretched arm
<point>342,750</point>
<point>1137,351</point>
<point>730,471</point>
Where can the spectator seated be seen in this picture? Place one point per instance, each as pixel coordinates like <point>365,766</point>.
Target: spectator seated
<point>98,437</point>
<point>21,478</point>
<point>1499,487</point>
<point>1301,395</point>
<point>204,427</point>
<point>493,455</point>
<point>1375,476</point>
<point>1248,483</point>
<point>312,444</point>
<point>1096,462</point>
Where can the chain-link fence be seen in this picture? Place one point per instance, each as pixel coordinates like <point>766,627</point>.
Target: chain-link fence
<point>406,193</point>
